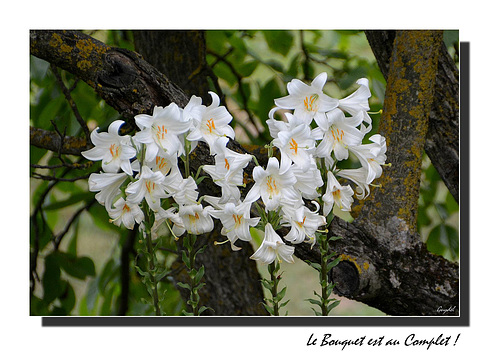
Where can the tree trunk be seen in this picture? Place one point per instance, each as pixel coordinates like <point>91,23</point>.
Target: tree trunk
<point>442,140</point>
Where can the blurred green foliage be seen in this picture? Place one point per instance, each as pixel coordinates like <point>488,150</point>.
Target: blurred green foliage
<point>253,68</point>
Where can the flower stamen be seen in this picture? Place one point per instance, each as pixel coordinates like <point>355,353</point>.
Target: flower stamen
<point>294,146</point>
<point>210,124</point>
<point>309,103</point>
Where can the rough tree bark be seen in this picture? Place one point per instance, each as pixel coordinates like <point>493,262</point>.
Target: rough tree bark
<point>383,262</point>
<point>442,140</point>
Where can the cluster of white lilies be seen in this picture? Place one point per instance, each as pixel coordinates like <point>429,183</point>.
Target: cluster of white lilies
<point>141,172</point>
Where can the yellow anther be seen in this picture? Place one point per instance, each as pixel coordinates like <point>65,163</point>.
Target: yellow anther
<point>210,124</point>
<point>293,146</point>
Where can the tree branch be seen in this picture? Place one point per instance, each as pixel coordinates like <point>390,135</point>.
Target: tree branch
<point>51,140</point>
<point>121,77</point>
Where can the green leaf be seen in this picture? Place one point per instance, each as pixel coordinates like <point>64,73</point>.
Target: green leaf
<point>314,301</point>
<point>91,297</point>
<point>217,41</point>
<point>107,304</point>
<point>284,304</point>
<point>185,259</point>
<point>267,284</point>
<point>201,250</point>
<point>202,309</point>
<point>77,267</point>
<point>68,298</point>
<point>269,309</point>
<point>161,275</point>
<point>451,204</point>
<point>247,68</point>
<point>141,272</point>
<point>73,199</point>
<point>277,66</point>
<point>184,285</point>
<point>51,281</point>
<point>108,273</point>
<point>293,68</point>
<point>199,275</point>
<point>441,209</point>
<point>333,239</point>
<point>199,179</point>
<point>44,232</point>
<point>443,238</point>
<point>51,111</point>
<point>333,305</point>
<point>314,265</point>
<point>281,294</point>
<point>333,264</point>
<point>330,256</point>
<point>279,41</point>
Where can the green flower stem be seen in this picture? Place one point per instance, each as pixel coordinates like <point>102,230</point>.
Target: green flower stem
<point>324,274</point>
<point>194,296</point>
<point>273,269</point>
<point>195,276</point>
<point>187,149</point>
<point>151,266</point>
<point>153,278</point>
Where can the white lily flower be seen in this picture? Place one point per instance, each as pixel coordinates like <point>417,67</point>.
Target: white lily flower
<point>162,215</point>
<point>275,126</point>
<point>236,221</point>
<point>114,150</point>
<point>359,177</point>
<point>167,165</point>
<point>308,181</point>
<point>210,123</point>
<point>185,191</point>
<point>339,134</point>
<point>127,213</point>
<point>148,186</point>
<point>272,247</point>
<point>196,218</point>
<point>275,185</point>
<point>336,194</point>
<point>230,162</point>
<point>160,131</point>
<point>108,186</point>
<point>302,222</point>
<point>228,170</point>
<point>296,143</point>
<point>358,102</point>
<point>308,102</point>
<point>372,156</point>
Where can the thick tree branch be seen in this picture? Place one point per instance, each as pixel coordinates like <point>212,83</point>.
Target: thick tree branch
<point>442,140</point>
<point>121,77</point>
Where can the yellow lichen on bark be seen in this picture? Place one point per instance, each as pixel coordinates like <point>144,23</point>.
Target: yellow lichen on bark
<point>407,104</point>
